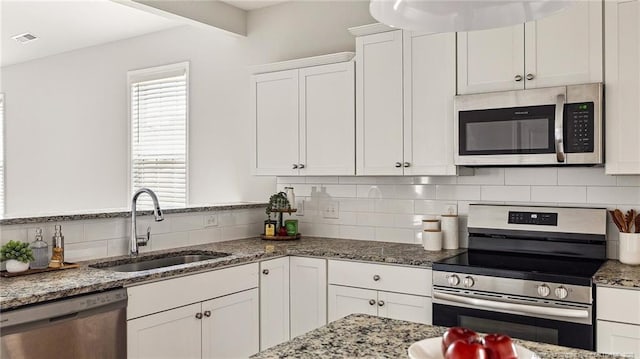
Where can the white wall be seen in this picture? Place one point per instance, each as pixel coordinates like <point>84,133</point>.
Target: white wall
<point>66,115</point>
<point>66,123</point>
<point>391,209</point>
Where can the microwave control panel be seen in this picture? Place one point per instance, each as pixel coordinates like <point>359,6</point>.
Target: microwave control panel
<point>578,127</point>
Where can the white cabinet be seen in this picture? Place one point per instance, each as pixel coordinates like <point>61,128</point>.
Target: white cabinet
<point>305,121</point>
<point>274,302</point>
<point>175,333</point>
<point>618,324</point>
<point>205,315</point>
<point>275,111</point>
<point>405,84</point>
<point>308,294</point>
<point>562,49</point>
<point>230,326</point>
<point>622,87</point>
<point>388,291</point>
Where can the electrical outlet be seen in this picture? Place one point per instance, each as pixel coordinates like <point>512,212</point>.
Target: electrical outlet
<point>331,209</point>
<point>211,220</point>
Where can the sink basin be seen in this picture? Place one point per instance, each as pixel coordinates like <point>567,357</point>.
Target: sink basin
<point>140,264</point>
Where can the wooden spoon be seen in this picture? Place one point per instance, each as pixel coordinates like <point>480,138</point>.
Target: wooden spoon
<point>621,222</point>
<point>615,220</point>
<point>631,214</point>
<point>638,223</point>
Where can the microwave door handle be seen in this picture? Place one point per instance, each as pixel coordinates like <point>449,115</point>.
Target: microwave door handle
<point>559,129</point>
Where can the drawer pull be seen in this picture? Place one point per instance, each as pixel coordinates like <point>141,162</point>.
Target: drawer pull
<point>265,271</point>
<point>381,303</point>
<point>376,277</point>
<point>372,302</point>
<point>207,313</point>
<point>198,315</point>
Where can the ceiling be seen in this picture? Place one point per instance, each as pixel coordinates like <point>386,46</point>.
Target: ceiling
<point>252,4</point>
<point>67,25</point>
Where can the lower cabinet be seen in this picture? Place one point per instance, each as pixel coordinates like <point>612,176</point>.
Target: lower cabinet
<point>618,338</point>
<point>308,294</point>
<point>347,300</point>
<point>274,302</point>
<point>225,327</point>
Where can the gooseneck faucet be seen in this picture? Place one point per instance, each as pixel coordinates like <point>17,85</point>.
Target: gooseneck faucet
<point>136,240</point>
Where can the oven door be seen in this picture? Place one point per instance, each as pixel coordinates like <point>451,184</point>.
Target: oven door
<point>558,332</point>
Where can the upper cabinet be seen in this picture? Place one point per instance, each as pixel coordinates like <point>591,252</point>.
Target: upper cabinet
<point>562,49</point>
<point>622,87</point>
<point>305,121</point>
<point>405,84</point>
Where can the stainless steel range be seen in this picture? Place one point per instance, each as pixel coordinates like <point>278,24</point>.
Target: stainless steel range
<point>527,274</point>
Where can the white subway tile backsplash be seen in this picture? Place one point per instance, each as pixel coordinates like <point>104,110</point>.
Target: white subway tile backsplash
<point>393,205</point>
<point>559,194</point>
<point>457,192</point>
<point>208,235</point>
<point>105,229</point>
<point>376,191</point>
<point>375,219</point>
<point>397,235</point>
<point>436,180</point>
<point>487,176</point>
<point>357,232</point>
<point>74,252</point>
<point>117,247</point>
<point>333,190</point>
<point>505,193</point>
<point>187,223</point>
<point>356,205</point>
<point>531,176</point>
<point>18,234</point>
<point>163,226</point>
<point>323,180</point>
<point>415,192</point>
<point>241,231</point>
<point>291,180</point>
<point>357,180</point>
<point>618,195</point>
<point>628,181</point>
<point>584,176</point>
<point>433,207</point>
<point>168,240</point>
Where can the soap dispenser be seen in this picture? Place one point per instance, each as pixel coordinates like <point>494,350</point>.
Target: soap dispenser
<point>57,258</point>
<point>40,251</point>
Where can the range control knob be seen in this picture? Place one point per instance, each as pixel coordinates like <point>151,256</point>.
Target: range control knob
<point>453,280</point>
<point>468,282</point>
<point>543,290</point>
<point>561,292</point>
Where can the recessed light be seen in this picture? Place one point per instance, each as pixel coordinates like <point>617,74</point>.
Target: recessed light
<point>24,38</point>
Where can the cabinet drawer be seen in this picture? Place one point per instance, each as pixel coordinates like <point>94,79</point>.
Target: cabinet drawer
<point>171,293</point>
<point>381,277</point>
<point>618,305</point>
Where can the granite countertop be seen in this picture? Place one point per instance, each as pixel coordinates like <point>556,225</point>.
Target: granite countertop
<point>615,274</point>
<point>123,213</point>
<point>36,288</point>
<point>360,335</point>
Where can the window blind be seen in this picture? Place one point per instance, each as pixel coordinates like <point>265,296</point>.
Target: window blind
<point>1,154</point>
<point>159,137</point>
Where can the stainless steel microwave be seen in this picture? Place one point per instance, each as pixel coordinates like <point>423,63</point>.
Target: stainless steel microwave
<point>547,126</point>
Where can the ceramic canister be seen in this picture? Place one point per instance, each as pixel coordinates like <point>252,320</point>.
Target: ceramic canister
<point>432,240</point>
<point>430,224</point>
<point>449,225</point>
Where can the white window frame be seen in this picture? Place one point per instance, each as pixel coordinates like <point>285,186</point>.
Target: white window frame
<point>149,74</point>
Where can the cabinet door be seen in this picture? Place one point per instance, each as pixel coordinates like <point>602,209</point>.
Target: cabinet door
<point>491,60</point>
<point>429,89</point>
<point>618,338</point>
<point>230,326</point>
<point>274,302</point>
<point>327,120</point>
<point>379,128</point>
<point>308,290</point>
<point>565,48</point>
<point>275,114</point>
<point>171,334</point>
<point>407,307</point>
<point>343,301</point>
<point>622,87</point>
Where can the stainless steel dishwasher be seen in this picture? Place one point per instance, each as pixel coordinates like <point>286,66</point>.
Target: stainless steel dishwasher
<point>88,326</point>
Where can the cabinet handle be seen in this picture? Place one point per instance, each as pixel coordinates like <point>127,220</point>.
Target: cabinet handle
<point>207,313</point>
<point>295,166</point>
<point>198,315</point>
<point>407,164</point>
<point>530,77</point>
<point>372,302</point>
<point>376,277</point>
<point>398,164</point>
<point>518,78</point>
<point>265,271</point>
<point>301,166</point>
<point>381,303</point>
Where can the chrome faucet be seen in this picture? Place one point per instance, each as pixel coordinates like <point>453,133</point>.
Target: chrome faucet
<point>136,240</point>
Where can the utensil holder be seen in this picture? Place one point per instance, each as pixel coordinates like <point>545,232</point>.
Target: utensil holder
<point>629,250</point>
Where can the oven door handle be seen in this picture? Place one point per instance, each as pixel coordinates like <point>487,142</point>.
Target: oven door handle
<point>559,128</point>
<point>521,308</point>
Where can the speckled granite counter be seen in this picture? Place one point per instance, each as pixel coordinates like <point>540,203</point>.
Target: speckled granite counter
<point>615,274</point>
<point>364,336</point>
<point>5,221</point>
<point>36,288</point>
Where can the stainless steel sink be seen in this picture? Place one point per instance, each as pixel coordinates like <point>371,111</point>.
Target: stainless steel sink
<point>140,264</point>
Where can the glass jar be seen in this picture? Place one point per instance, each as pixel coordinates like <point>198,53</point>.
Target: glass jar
<point>40,251</point>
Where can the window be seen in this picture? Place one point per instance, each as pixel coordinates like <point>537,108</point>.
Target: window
<point>159,117</point>
<point>1,154</point>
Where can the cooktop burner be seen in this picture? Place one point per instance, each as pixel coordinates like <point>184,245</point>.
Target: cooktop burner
<point>578,271</point>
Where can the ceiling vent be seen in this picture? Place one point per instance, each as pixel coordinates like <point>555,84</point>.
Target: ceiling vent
<point>24,38</point>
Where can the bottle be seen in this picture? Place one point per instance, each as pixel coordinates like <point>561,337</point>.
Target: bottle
<point>291,197</point>
<point>57,258</point>
<point>40,251</point>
